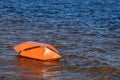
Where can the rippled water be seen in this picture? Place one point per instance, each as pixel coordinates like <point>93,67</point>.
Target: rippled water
<point>86,33</point>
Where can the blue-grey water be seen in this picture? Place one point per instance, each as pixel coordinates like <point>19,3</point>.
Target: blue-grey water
<point>86,33</point>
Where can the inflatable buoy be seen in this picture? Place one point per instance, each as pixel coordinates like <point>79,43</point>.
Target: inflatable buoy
<point>37,50</point>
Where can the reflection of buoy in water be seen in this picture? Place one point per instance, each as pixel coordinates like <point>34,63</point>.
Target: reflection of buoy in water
<point>37,50</point>
<point>36,69</point>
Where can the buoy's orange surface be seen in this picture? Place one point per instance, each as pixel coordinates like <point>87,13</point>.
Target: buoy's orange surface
<point>37,50</point>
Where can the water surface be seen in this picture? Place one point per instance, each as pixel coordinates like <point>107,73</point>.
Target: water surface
<point>86,33</point>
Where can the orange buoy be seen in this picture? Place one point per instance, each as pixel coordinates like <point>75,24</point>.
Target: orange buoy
<point>37,50</point>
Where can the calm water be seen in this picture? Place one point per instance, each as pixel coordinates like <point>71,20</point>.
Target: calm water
<point>86,33</point>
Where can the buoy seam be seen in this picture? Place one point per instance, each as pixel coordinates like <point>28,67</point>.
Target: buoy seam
<point>31,48</point>
<point>52,50</point>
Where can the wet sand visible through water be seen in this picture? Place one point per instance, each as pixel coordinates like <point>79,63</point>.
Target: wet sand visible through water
<point>86,33</point>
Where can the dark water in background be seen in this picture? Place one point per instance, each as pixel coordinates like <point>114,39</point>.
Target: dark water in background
<point>86,32</point>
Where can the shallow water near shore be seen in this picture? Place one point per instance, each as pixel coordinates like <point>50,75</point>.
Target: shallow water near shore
<point>85,32</point>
